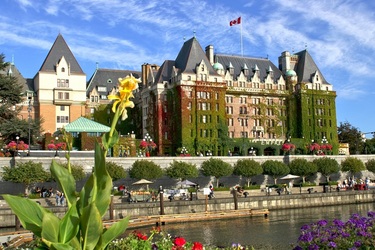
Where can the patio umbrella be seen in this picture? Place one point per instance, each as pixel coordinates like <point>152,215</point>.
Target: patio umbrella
<point>142,182</point>
<point>289,177</point>
<point>186,183</point>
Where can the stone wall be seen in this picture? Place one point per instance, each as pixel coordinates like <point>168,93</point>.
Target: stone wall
<point>122,208</point>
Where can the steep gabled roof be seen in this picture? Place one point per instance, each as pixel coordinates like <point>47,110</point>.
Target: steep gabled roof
<point>83,124</point>
<point>59,49</point>
<point>12,70</point>
<point>108,78</point>
<point>164,72</point>
<point>238,63</point>
<point>306,67</point>
<point>190,55</point>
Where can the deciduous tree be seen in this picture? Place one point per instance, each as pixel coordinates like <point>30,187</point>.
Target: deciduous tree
<point>247,168</point>
<point>217,168</point>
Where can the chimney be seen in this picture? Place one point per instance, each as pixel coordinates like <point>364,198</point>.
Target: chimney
<point>210,53</point>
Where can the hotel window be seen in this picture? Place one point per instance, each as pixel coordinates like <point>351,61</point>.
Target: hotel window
<point>204,119</point>
<point>62,108</point>
<point>62,83</point>
<point>102,89</point>
<point>62,69</point>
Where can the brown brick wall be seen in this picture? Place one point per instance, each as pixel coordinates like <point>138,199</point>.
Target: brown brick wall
<point>75,112</point>
<point>48,113</point>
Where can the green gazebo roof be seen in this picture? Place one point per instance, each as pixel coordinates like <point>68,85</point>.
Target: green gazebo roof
<point>83,124</point>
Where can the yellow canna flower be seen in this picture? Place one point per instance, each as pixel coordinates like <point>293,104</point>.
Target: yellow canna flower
<point>126,86</point>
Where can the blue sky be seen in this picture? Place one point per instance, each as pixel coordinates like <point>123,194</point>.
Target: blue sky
<point>119,34</point>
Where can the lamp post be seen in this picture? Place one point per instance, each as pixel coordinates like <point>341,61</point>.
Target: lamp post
<point>17,139</point>
<point>120,155</point>
<point>29,109</point>
<point>209,153</point>
<point>56,146</point>
<point>148,139</point>
<point>184,151</point>
<point>252,151</point>
<point>243,132</point>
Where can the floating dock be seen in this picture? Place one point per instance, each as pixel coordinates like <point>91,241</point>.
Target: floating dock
<point>15,239</point>
<point>157,220</point>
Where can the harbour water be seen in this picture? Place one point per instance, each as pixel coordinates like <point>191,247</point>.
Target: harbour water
<point>278,231</point>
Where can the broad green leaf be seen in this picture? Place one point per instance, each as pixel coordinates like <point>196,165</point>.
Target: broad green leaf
<point>28,212</point>
<point>103,181</point>
<point>50,229</point>
<point>87,194</point>
<point>61,246</point>
<point>66,181</point>
<point>109,142</point>
<point>91,226</point>
<point>113,232</point>
<point>69,225</point>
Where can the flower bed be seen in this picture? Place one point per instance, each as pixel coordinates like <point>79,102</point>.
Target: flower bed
<point>356,233</point>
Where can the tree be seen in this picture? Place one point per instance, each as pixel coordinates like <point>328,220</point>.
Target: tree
<point>217,168</point>
<point>10,95</point>
<point>27,173</point>
<point>116,171</point>
<point>144,169</point>
<point>182,170</point>
<point>303,168</point>
<point>247,168</point>
<point>352,165</point>
<point>370,165</point>
<point>275,169</point>
<point>327,166</point>
<point>350,134</point>
<point>77,171</point>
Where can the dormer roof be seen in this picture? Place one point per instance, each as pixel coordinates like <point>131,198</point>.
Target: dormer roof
<point>58,50</point>
<point>191,54</point>
<point>306,68</point>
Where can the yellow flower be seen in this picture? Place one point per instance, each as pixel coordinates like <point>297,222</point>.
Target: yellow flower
<point>126,86</point>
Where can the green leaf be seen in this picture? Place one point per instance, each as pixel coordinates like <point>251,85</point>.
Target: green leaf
<point>109,142</point>
<point>104,181</point>
<point>50,229</point>
<point>87,194</point>
<point>91,226</point>
<point>69,225</point>
<point>113,232</point>
<point>62,246</point>
<point>66,181</point>
<point>29,213</point>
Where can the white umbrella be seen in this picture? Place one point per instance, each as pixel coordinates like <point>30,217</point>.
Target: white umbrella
<point>142,182</point>
<point>186,183</point>
<point>289,176</point>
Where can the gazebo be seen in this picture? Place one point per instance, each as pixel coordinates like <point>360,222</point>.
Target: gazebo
<point>83,124</point>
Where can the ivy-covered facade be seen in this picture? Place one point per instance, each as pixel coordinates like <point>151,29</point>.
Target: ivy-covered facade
<point>215,104</point>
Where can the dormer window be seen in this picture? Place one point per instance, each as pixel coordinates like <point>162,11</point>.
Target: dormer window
<point>202,68</point>
<point>109,81</point>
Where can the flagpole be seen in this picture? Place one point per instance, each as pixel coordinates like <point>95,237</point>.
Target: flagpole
<point>241,38</point>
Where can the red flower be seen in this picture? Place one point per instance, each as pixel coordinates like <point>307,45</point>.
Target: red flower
<point>314,147</point>
<point>142,236</point>
<point>179,241</point>
<point>197,246</point>
<point>143,144</point>
<point>51,146</point>
<point>288,146</point>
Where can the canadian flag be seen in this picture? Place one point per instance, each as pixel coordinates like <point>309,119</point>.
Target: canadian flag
<point>235,21</point>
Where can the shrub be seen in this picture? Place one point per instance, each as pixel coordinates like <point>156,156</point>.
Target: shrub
<point>182,170</point>
<point>275,169</point>
<point>247,168</point>
<point>327,166</point>
<point>77,171</point>
<point>145,169</point>
<point>370,165</point>
<point>116,171</point>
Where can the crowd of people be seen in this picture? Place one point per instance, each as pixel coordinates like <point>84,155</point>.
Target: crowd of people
<point>49,192</point>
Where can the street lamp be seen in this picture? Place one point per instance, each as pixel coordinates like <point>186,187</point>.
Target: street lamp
<point>209,153</point>
<point>29,109</point>
<point>17,138</point>
<point>324,140</point>
<point>243,131</point>
<point>184,151</point>
<point>120,155</point>
<point>252,151</point>
<point>148,140</point>
<point>56,146</point>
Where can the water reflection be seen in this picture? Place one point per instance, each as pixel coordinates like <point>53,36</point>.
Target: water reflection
<point>278,231</point>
